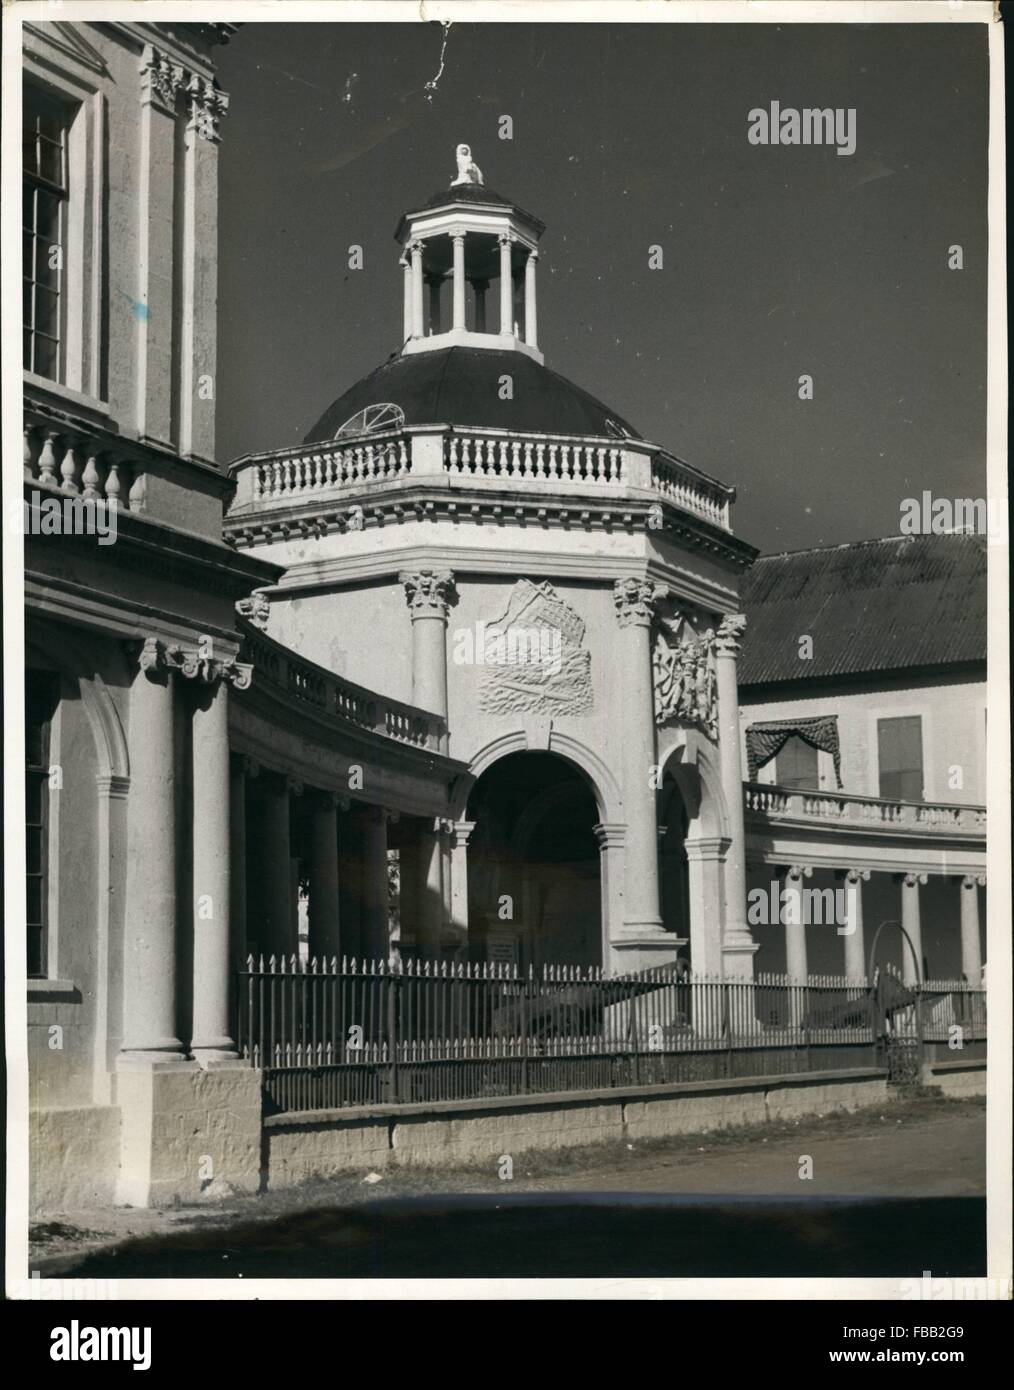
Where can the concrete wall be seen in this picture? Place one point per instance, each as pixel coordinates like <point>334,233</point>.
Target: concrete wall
<point>74,1157</point>
<point>468,1133</point>
<point>953,729</point>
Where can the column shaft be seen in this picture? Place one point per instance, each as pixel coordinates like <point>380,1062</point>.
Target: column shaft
<point>407,325</point>
<point>738,947</point>
<point>374,883</point>
<point>324,937</point>
<point>912,923</point>
<point>459,281</point>
<point>971,948</point>
<point>149,966</point>
<point>418,320</point>
<point>430,890</point>
<point>211,836</point>
<point>531,315</point>
<point>506,289</point>
<point>855,941</point>
<point>276,906</point>
<point>237,861</point>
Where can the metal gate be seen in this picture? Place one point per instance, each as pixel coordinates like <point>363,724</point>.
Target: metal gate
<point>898,1025</point>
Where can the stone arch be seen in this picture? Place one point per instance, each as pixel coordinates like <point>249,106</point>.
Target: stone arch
<point>693,766</point>
<point>603,784</point>
<point>69,656</point>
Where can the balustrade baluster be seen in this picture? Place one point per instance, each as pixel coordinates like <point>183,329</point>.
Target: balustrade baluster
<point>69,469</point>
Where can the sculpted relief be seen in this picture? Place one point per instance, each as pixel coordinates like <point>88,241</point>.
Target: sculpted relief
<point>685,681</point>
<point>533,656</point>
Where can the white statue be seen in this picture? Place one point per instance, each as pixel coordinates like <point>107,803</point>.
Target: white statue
<point>468,170</point>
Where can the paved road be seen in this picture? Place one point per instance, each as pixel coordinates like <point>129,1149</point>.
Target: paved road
<point>938,1157</point>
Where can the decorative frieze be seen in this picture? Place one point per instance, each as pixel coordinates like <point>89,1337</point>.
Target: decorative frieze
<point>685,682</point>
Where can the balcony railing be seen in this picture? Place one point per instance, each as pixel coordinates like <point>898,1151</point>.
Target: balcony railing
<point>474,458</point>
<point>862,812</point>
<point>323,690</point>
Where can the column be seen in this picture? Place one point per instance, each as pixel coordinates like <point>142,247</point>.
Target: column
<point>149,965</point>
<point>738,946</point>
<point>912,924</point>
<point>430,891</point>
<point>373,825</point>
<point>161,84</point>
<point>635,601</point>
<point>273,852</point>
<point>459,279</point>
<point>506,286</point>
<point>211,877</point>
<point>418,322</point>
<point>704,871</point>
<point>855,942</point>
<point>406,266</point>
<point>971,948</point>
<point>239,769</point>
<point>531,316</point>
<point>480,287</point>
<point>794,920</point>
<point>324,938</point>
<point>434,282</point>
<point>460,834</point>
<point>350,876</point>
<point>428,593</point>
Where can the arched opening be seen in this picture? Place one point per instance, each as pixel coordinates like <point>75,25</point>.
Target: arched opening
<point>534,893</point>
<point>674,869</point>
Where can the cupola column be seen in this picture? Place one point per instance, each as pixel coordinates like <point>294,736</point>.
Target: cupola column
<point>418,326</point>
<point>459,279</point>
<point>506,286</point>
<point>406,266</point>
<point>531,318</point>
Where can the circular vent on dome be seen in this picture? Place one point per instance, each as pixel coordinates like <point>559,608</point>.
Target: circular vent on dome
<point>385,416</point>
<point>620,431</point>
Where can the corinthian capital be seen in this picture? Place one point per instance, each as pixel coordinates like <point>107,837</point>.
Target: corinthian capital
<point>161,79</point>
<point>207,106</point>
<point>428,592</point>
<point>729,637</point>
<point>635,601</point>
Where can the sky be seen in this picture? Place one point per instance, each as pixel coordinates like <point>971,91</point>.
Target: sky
<point>778,261</point>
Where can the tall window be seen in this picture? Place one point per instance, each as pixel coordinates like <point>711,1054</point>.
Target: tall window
<point>899,745</point>
<point>796,764</point>
<point>44,230</point>
<point>41,694</point>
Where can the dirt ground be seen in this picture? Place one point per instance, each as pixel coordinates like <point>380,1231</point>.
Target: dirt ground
<point>923,1147</point>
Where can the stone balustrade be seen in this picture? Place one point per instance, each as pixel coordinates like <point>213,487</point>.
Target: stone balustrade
<point>474,458</point>
<point>302,680</point>
<point>862,812</point>
<point>81,463</point>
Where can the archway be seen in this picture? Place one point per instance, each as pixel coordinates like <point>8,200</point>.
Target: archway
<point>534,893</point>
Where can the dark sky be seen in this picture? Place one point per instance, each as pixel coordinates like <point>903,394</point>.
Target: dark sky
<point>778,260</point>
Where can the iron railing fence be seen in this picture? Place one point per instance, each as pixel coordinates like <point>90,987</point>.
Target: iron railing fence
<point>329,1034</point>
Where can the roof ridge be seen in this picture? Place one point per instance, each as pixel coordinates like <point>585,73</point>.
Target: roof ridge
<point>868,540</point>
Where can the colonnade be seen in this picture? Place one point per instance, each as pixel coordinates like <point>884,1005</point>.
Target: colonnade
<point>417,279</point>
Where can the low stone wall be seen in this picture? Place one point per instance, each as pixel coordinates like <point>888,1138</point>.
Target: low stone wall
<point>320,1144</point>
<point>74,1156</point>
<point>959,1079</point>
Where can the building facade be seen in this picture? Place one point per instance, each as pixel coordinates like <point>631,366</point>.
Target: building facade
<point>455,679</point>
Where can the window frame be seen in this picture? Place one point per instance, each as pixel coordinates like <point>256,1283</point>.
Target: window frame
<point>40,184</point>
<point>896,718</point>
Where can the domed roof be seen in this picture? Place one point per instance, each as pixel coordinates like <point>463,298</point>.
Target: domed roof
<point>461,386</point>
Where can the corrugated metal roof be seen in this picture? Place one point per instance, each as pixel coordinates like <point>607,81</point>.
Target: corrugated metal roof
<point>869,606</point>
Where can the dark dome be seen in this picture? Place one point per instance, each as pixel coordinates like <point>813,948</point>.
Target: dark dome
<point>460,386</point>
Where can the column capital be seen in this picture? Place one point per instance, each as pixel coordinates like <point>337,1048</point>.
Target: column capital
<point>533,255</point>
<point>912,880</point>
<point>161,79</point>
<point>973,881</point>
<point>208,104</point>
<point>461,831</point>
<point>853,875</point>
<point>326,801</point>
<point>156,656</point>
<point>728,638</point>
<point>506,239</point>
<point>458,234</point>
<point>427,592</point>
<point>799,871</point>
<point>635,601</point>
<point>415,246</point>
